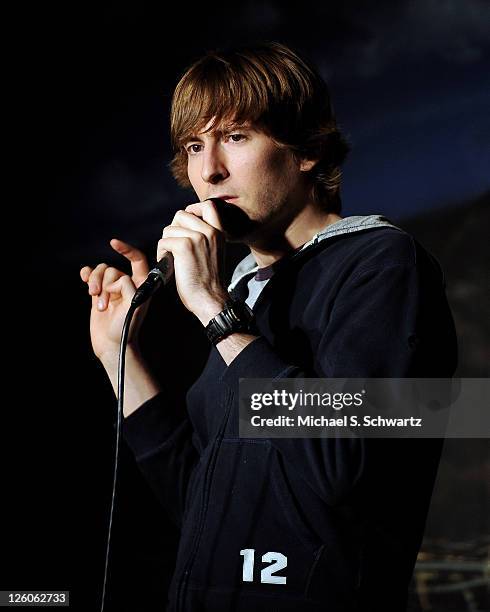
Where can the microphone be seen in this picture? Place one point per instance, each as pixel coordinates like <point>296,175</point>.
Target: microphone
<point>235,224</point>
<point>157,277</point>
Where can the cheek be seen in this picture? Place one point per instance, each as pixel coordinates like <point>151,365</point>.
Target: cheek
<point>191,171</point>
<point>281,163</point>
<point>273,170</point>
<point>194,177</point>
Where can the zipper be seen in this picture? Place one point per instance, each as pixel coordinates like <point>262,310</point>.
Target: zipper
<point>208,477</point>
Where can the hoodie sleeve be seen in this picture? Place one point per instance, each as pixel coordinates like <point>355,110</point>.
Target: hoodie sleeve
<point>161,438</point>
<point>381,325</point>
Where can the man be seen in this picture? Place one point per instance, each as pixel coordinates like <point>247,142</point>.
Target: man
<point>279,524</point>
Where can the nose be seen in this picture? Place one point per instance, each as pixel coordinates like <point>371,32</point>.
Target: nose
<point>213,168</point>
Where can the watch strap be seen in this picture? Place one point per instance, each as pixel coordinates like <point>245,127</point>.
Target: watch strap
<point>235,317</point>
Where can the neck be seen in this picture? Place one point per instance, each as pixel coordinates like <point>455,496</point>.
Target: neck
<point>302,228</point>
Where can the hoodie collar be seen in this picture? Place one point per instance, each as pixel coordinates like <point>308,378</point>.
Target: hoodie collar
<point>347,225</point>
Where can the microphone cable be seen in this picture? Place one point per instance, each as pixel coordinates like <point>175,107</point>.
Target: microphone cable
<point>120,402</point>
<point>157,277</point>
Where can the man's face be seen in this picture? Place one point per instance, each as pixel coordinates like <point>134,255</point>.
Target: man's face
<point>244,166</point>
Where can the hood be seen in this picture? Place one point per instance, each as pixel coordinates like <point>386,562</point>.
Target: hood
<point>347,225</point>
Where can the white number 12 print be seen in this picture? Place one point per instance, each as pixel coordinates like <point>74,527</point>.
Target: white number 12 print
<point>277,561</point>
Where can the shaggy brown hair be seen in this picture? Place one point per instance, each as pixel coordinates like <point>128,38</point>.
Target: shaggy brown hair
<point>275,89</point>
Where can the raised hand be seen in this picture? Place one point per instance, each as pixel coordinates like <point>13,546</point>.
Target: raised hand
<point>112,291</point>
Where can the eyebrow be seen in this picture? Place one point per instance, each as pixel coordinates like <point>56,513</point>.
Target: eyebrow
<point>244,125</point>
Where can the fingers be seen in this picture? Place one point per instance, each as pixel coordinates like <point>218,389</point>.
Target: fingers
<point>98,280</point>
<point>191,221</point>
<point>110,276</point>
<point>176,231</point>
<point>123,286</point>
<point>174,238</point>
<point>208,212</point>
<point>172,245</point>
<point>139,263</point>
<point>93,277</point>
<point>85,273</point>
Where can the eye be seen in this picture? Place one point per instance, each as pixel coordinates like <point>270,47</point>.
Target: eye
<point>193,148</point>
<point>236,137</point>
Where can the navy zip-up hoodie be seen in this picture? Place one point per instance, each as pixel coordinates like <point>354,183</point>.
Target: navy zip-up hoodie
<point>305,524</point>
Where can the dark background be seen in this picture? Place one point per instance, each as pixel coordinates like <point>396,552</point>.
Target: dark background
<point>409,82</point>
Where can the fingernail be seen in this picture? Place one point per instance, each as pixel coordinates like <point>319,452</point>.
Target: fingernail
<point>100,304</point>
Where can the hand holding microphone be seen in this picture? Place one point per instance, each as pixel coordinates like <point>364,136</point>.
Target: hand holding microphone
<point>196,241</point>
<point>214,213</point>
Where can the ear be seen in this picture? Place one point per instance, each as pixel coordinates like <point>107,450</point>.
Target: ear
<point>307,164</point>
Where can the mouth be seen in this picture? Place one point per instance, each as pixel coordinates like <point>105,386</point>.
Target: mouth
<point>225,197</point>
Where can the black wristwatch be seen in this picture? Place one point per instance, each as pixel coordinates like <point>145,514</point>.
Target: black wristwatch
<point>235,317</point>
